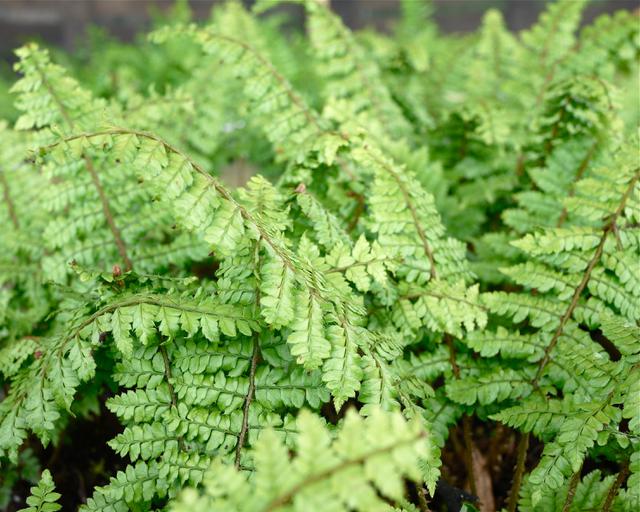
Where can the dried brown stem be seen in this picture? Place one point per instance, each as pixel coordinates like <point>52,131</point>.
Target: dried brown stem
<point>423,505</point>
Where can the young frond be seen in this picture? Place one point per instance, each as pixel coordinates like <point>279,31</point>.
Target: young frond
<point>43,496</point>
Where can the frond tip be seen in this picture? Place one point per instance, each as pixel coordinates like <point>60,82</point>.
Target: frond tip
<point>43,496</point>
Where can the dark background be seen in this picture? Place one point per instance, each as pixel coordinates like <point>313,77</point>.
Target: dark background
<point>62,22</point>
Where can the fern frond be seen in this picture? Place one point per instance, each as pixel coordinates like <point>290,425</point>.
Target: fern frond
<point>43,496</point>
<point>572,263</point>
<point>270,94</point>
<point>373,451</point>
<point>354,87</point>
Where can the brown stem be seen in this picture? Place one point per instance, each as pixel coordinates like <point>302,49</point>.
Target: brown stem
<point>520,164</point>
<point>466,420</point>
<point>357,212</point>
<point>615,487</point>
<point>172,392</point>
<point>548,147</point>
<point>7,198</point>
<point>423,505</point>
<point>452,355</point>
<point>468,453</point>
<point>244,429</point>
<point>455,441</point>
<point>571,492</point>
<point>248,398</point>
<point>514,493</point>
<point>106,210</point>
<point>497,444</point>
<point>168,377</point>
<point>616,233</point>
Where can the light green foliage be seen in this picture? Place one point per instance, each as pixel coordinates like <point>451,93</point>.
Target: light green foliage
<point>43,496</point>
<point>564,265</point>
<point>359,469</point>
<point>442,228</point>
<point>355,91</point>
<point>590,494</point>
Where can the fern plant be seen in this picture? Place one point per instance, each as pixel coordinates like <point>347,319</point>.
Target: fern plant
<point>440,249</point>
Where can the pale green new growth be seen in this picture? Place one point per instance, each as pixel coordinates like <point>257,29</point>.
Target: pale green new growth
<point>43,496</point>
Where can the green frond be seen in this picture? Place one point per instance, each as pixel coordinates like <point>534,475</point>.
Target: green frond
<point>375,452</point>
<point>554,33</point>
<point>590,494</point>
<point>49,97</point>
<point>622,333</point>
<point>327,227</point>
<point>354,87</point>
<point>292,124</point>
<point>509,344</point>
<point>43,496</point>
<point>488,388</point>
<point>541,417</point>
<point>445,307</point>
<point>566,454</point>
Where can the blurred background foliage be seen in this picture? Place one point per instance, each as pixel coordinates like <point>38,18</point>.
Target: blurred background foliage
<point>83,27</point>
<point>65,23</point>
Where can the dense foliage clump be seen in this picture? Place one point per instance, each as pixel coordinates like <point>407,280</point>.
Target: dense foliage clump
<point>429,282</point>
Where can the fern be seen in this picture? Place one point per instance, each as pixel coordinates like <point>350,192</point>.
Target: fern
<point>442,236</point>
